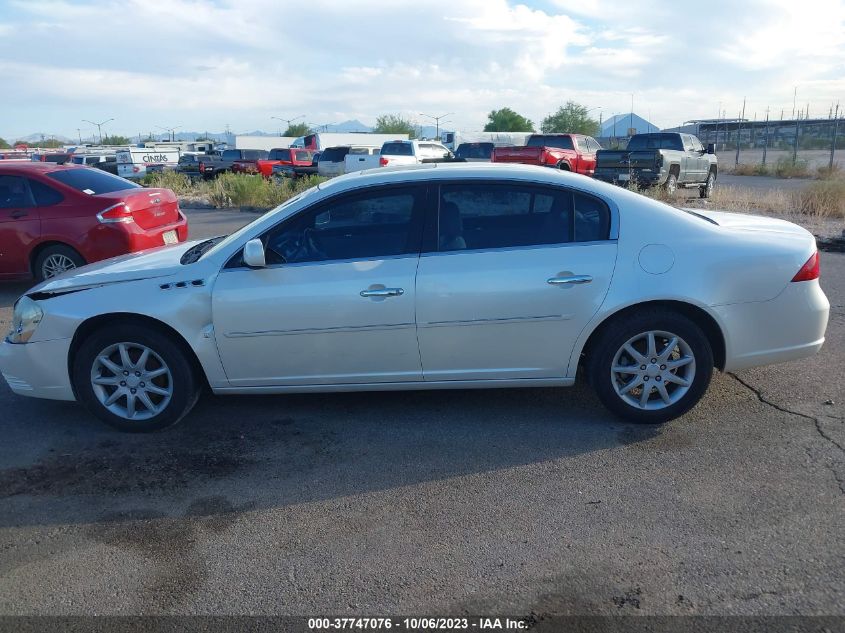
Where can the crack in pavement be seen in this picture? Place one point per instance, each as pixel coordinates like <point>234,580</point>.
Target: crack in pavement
<point>816,422</point>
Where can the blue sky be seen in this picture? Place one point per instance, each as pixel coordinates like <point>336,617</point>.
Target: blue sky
<point>202,64</point>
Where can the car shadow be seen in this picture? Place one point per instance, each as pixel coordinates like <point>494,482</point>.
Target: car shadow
<point>236,454</point>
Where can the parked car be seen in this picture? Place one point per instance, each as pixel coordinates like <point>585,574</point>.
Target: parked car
<point>567,152</point>
<point>92,160</point>
<point>290,156</point>
<point>476,152</point>
<point>247,163</point>
<point>59,158</point>
<point>202,165</point>
<point>666,159</point>
<point>283,170</point>
<point>333,160</point>
<point>466,275</point>
<point>414,152</point>
<point>54,218</point>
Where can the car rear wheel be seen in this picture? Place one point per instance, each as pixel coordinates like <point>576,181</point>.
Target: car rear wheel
<point>671,184</point>
<point>134,378</point>
<point>56,259</point>
<point>651,367</point>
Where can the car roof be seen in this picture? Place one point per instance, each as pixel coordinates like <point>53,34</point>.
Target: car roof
<point>448,171</point>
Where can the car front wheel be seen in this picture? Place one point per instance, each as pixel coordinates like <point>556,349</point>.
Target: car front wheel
<point>134,378</point>
<point>652,366</point>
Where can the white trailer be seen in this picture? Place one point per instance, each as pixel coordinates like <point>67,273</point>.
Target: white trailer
<point>453,139</point>
<point>325,140</point>
<point>132,163</point>
<point>263,142</point>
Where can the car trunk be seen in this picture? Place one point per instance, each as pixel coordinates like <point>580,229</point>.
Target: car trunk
<point>151,208</point>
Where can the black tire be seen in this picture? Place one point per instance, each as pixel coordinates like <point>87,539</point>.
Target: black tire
<point>41,264</point>
<point>621,330</point>
<point>563,166</point>
<point>185,384</point>
<point>706,190</point>
<point>671,184</point>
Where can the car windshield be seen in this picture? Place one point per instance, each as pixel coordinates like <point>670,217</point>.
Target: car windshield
<point>655,141</point>
<point>245,229</point>
<point>560,142</point>
<point>279,154</point>
<point>397,149</point>
<point>231,154</point>
<point>92,181</point>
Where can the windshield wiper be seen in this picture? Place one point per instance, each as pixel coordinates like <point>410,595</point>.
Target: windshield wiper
<point>195,252</point>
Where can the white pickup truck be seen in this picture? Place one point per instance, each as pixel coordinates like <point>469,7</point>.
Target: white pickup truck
<point>336,161</point>
<point>412,153</point>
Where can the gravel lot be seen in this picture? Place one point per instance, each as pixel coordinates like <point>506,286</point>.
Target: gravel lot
<point>522,501</point>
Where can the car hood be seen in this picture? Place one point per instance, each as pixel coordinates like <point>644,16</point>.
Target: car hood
<point>149,264</point>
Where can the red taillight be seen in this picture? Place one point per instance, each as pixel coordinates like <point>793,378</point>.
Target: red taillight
<point>202,167</point>
<point>118,213</point>
<point>136,169</point>
<point>382,161</point>
<point>810,270</point>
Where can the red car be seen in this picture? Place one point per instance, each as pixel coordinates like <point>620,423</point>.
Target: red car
<point>54,218</point>
<point>293,157</point>
<point>570,152</point>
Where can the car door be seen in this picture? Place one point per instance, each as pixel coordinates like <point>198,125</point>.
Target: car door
<point>335,302</point>
<point>20,225</point>
<point>515,274</point>
<point>702,164</point>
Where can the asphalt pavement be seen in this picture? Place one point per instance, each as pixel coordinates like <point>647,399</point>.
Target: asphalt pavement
<point>519,501</point>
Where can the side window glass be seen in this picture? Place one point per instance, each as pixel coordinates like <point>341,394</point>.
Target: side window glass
<point>44,196</point>
<point>484,216</point>
<point>376,224</point>
<point>592,219</point>
<point>14,194</point>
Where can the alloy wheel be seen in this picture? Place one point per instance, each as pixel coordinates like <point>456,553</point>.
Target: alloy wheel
<point>131,381</point>
<point>653,370</point>
<point>56,264</point>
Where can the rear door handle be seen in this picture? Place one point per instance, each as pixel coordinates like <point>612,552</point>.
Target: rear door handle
<point>574,279</point>
<point>20,213</point>
<point>383,292</point>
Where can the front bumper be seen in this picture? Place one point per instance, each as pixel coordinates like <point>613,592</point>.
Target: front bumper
<point>788,327</point>
<point>38,370</point>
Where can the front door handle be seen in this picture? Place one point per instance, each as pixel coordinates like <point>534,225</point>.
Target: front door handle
<point>383,292</point>
<point>574,279</point>
<point>18,214</point>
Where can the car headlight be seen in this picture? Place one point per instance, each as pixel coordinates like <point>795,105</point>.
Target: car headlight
<point>25,318</point>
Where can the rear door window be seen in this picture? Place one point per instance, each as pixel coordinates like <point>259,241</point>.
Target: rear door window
<point>92,181</point>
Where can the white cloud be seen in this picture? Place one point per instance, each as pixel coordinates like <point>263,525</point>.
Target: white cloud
<point>205,63</point>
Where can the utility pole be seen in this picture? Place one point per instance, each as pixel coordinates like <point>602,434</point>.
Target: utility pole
<point>794,97</point>
<point>766,141</point>
<point>739,131</point>
<point>79,131</point>
<point>99,127</point>
<point>833,141</point>
<point>631,123</point>
<point>795,142</point>
<point>288,121</point>
<point>436,120</point>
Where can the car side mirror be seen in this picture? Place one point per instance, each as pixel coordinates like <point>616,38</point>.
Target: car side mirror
<point>711,148</point>
<point>254,254</point>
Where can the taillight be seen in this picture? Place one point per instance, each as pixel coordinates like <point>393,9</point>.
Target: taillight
<point>118,213</point>
<point>810,270</point>
<point>136,169</point>
<point>382,161</point>
<point>202,167</point>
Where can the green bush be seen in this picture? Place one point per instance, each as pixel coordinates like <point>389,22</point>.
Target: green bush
<point>787,168</point>
<point>240,190</point>
<point>824,198</point>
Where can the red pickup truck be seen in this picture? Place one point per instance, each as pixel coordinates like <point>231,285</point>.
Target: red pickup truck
<point>248,161</point>
<point>291,156</point>
<point>570,152</point>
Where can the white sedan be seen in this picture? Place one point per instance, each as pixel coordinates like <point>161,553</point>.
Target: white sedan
<point>434,277</point>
